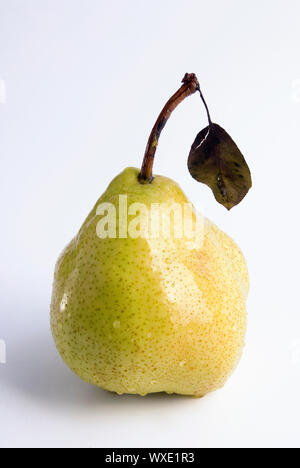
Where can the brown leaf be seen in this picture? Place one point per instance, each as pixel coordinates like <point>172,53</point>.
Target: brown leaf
<point>216,161</point>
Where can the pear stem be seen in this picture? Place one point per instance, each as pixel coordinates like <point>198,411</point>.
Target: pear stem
<point>189,86</point>
<point>206,107</point>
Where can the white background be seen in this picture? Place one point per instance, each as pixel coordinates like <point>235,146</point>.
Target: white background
<point>82,83</point>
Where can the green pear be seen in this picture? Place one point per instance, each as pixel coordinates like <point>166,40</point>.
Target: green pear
<point>141,315</point>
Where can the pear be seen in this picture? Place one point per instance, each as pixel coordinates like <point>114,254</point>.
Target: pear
<point>137,311</point>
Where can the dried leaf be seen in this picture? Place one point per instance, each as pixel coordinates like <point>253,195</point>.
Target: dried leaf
<point>216,161</point>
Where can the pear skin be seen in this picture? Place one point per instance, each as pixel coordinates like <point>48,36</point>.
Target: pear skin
<point>144,315</point>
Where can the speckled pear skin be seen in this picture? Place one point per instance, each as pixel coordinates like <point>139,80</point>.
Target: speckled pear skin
<point>150,315</point>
